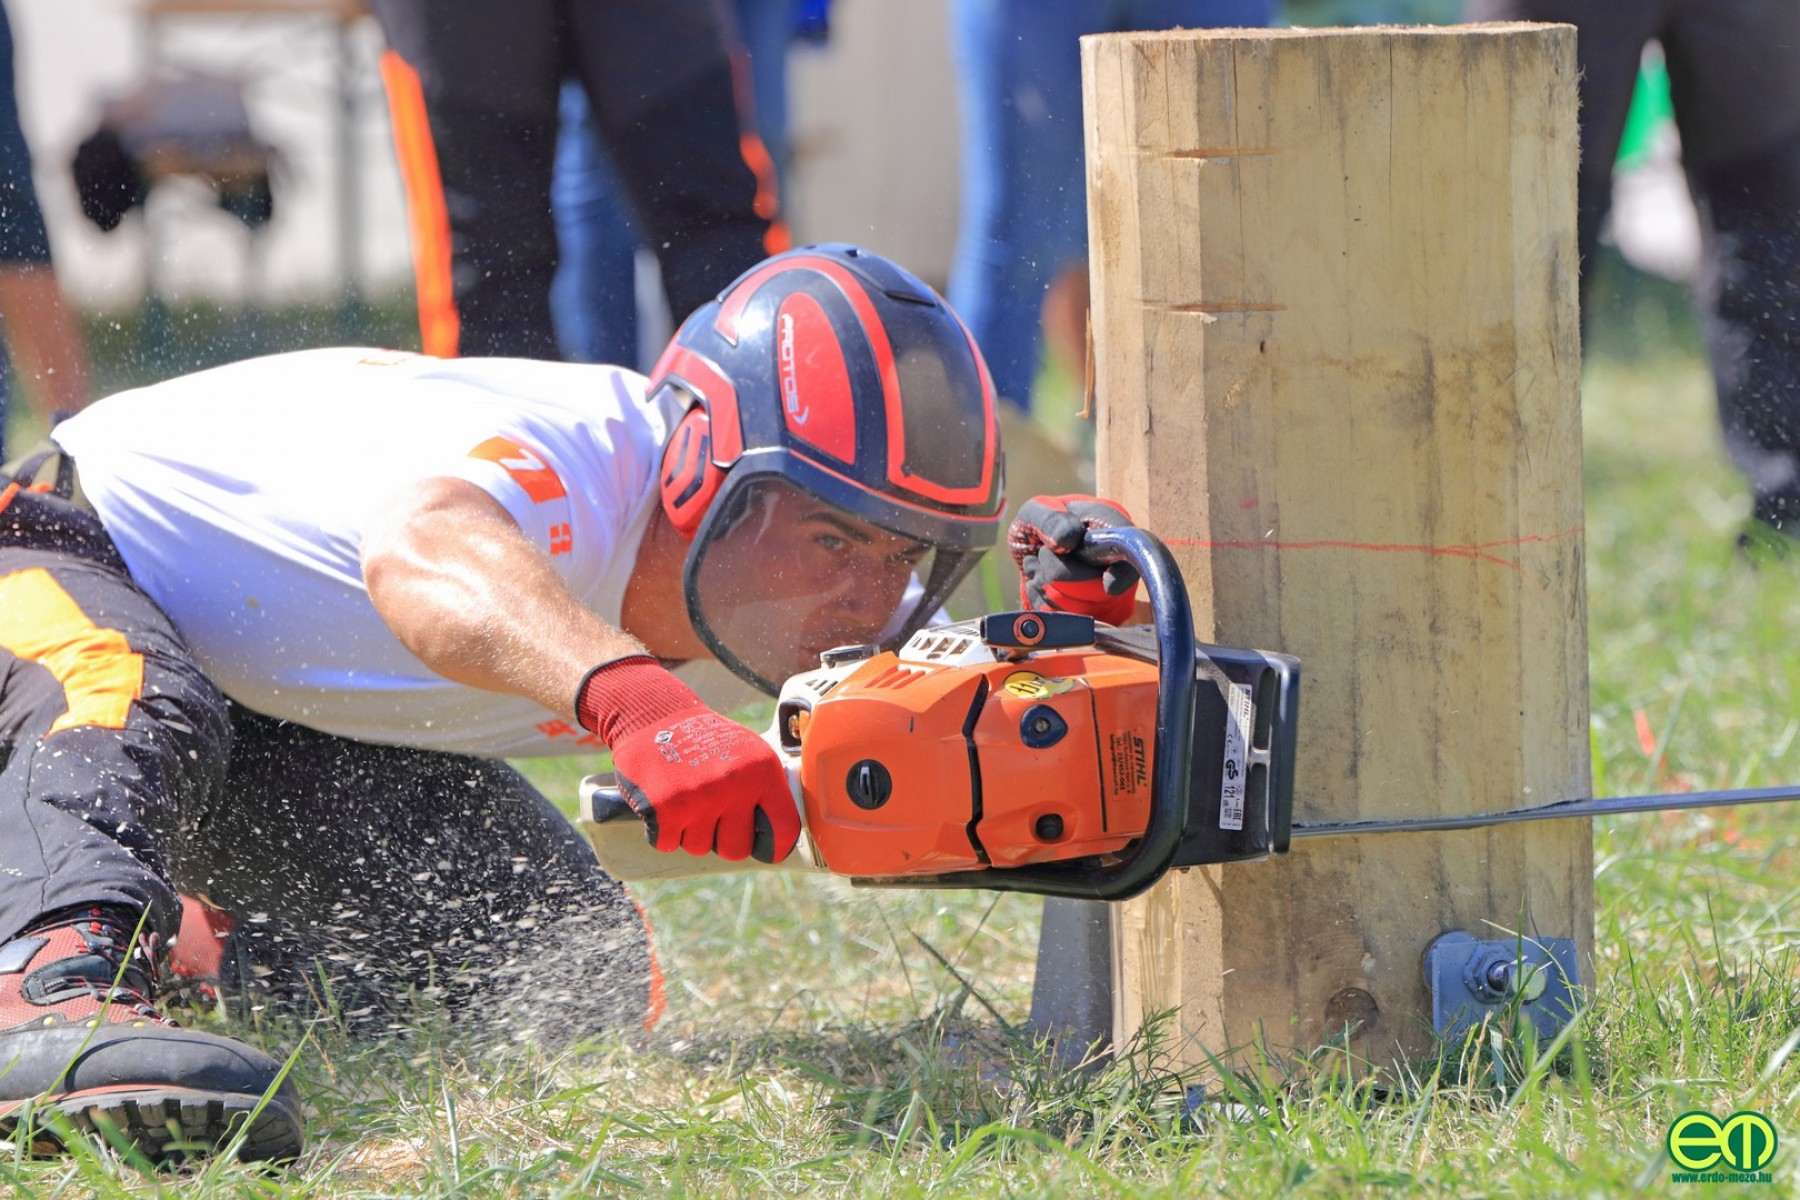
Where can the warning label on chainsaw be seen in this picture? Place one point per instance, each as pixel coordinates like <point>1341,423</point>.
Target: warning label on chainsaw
<point>1130,765</point>
<point>1238,715</point>
<point>1029,685</point>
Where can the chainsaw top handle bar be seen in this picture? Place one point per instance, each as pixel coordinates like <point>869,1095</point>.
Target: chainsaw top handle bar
<point>1172,619</point>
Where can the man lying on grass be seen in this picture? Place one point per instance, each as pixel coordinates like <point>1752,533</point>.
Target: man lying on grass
<point>267,633</point>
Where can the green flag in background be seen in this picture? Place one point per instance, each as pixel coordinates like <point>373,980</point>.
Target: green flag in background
<point>1650,108</point>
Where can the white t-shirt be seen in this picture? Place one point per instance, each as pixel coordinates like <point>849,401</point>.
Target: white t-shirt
<point>238,497</point>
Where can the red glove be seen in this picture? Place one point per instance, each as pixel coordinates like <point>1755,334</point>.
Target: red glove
<point>1045,541</point>
<point>701,782</point>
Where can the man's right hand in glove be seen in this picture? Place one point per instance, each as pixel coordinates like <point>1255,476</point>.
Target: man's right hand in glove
<point>700,781</point>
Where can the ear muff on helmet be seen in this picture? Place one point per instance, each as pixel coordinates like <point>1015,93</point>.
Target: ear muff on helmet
<point>690,479</point>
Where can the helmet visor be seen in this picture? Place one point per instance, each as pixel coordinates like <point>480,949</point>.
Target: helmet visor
<point>777,576</point>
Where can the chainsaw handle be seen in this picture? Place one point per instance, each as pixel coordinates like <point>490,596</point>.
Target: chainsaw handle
<point>1172,617</point>
<point>602,803</point>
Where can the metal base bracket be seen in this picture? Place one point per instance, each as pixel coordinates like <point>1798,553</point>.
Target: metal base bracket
<point>1471,980</point>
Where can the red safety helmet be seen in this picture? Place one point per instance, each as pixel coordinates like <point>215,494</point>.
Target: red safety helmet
<point>840,442</point>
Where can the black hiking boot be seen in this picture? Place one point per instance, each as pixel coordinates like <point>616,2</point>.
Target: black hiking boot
<point>79,1036</point>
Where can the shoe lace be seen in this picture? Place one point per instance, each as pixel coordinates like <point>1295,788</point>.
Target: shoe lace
<point>117,966</point>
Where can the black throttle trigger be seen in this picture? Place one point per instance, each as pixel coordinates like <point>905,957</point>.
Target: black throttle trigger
<point>762,842</point>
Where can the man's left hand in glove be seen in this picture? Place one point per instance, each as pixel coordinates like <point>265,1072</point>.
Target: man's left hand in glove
<point>1046,539</point>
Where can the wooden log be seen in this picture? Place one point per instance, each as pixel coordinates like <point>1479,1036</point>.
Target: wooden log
<point>1334,287</point>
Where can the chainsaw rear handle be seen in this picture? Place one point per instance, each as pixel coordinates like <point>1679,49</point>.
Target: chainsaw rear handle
<point>1170,782</point>
<point>602,803</point>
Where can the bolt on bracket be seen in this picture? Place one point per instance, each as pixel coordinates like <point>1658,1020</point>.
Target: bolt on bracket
<point>1471,979</point>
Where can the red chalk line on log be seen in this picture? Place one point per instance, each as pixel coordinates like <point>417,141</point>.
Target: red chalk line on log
<point>1482,552</point>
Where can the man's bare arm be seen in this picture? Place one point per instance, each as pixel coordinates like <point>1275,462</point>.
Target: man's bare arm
<point>466,591</point>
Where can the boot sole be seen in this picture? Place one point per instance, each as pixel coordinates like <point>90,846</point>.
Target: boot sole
<point>165,1123</point>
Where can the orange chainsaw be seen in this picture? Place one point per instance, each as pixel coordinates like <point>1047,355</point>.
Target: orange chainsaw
<point>1024,751</point>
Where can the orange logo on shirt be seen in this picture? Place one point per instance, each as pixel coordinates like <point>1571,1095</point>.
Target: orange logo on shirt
<point>527,469</point>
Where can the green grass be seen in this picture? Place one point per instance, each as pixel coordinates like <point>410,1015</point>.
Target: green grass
<point>826,1040</point>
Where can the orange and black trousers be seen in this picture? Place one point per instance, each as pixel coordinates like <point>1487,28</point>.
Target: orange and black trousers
<point>106,724</point>
<point>129,779</point>
<point>473,88</point>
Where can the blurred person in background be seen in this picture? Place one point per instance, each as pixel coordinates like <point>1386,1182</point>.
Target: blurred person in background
<point>474,89</point>
<point>1734,78</point>
<point>49,360</point>
<point>1021,256</point>
<point>596,295</point>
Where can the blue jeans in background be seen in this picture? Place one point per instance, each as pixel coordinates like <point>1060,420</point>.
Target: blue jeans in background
<point>1024,193</point>
<point>593,297</point>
